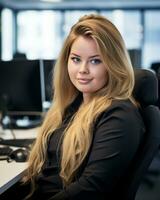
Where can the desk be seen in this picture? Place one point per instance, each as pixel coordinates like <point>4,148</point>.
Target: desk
<point>10,173</point>
<point>19,134</point>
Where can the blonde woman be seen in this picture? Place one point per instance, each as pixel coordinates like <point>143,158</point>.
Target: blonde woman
<point>93,128</point>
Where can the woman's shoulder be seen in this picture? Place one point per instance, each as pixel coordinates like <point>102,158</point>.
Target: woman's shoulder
<point>125,105</point>
<point>123,110</point>
<point>121,117</point>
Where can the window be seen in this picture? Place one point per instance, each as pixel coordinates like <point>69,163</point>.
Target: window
<point>7,34</point>
<point>152,38</point>
<point>39,34</point>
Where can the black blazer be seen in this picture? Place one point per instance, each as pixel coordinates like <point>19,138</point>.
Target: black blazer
<point>117,134</point>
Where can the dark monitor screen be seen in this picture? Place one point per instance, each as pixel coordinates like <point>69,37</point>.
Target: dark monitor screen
<point>20,86</point>
<point>48,66</point>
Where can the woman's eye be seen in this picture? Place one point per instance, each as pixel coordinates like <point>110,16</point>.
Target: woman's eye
<point>75,59</point>
<point>95,61</point>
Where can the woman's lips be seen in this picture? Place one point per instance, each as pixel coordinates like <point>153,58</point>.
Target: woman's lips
<point>84,80</point>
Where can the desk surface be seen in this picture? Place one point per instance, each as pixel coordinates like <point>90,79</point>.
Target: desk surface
<point>10,173</point>
<point>28,133</point>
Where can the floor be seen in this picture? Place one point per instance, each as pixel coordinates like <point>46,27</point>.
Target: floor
<point>150,187</point>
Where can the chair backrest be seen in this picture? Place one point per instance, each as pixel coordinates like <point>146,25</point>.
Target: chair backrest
<point>146,93</point>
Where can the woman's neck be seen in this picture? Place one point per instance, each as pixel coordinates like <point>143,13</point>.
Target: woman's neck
<point>86,98</point>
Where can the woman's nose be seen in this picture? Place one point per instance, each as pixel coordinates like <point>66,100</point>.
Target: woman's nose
<point>84,68</point>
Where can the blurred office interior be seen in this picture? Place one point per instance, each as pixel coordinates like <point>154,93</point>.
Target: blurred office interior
<point>37,29</point>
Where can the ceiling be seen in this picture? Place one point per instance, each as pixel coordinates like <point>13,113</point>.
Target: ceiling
<point>81,4</point>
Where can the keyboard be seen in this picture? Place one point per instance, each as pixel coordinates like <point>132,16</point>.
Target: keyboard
<point>18,142</point>
<point>5,151</point>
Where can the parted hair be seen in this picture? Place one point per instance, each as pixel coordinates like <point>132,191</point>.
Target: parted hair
<point>77,136</point>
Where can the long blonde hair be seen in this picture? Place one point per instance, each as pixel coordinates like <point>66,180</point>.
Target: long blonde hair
<point>78,134</point>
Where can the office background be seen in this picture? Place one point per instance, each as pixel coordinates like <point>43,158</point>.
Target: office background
<point>39,27</point>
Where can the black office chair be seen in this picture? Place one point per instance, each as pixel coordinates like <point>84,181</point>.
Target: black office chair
<point>146,93</point>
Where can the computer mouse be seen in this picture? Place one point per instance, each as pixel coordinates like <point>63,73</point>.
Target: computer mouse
<point>18,155</point>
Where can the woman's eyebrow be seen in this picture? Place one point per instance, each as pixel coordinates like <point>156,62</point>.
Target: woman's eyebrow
<point>89,56</point>
<point>74,54</point>
<point>94,56</point>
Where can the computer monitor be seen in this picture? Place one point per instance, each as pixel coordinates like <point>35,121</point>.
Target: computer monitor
<point>48,66</point>
<point>20,88</point>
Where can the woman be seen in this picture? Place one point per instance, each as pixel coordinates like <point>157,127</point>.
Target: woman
<point>93,128</point>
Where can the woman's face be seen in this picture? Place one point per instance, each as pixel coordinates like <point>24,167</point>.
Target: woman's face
<point>86,70</point>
